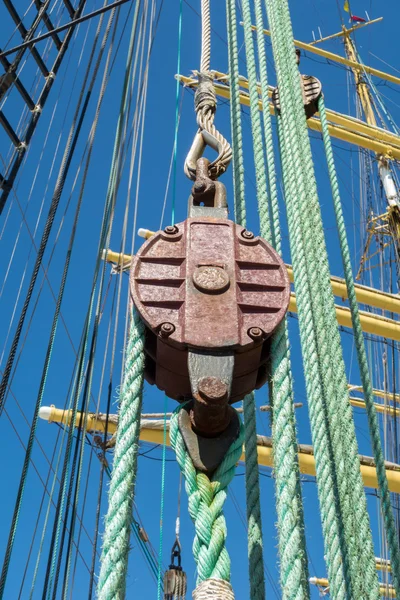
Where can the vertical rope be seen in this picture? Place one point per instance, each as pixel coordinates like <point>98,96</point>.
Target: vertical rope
<point>362,357</point>
<point>353,541</point>
<point>114,559</point>
<point>292,547</point>
<point>206,500</point>
<point>235,111</point>
<point>253,504</point>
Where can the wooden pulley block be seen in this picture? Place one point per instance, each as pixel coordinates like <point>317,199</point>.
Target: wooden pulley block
<point>311,89</point>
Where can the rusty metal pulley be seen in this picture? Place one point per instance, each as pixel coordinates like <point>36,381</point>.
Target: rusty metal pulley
<point>211,294</point>
<point>311,89</point>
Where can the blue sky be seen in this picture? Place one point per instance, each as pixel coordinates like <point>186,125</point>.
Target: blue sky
<point>380,40</point>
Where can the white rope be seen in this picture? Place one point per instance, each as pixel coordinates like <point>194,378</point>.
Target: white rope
<point>217,589</point>
<point>206,105</point>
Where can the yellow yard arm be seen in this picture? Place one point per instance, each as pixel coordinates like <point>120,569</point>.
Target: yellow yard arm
<point>152,431</point>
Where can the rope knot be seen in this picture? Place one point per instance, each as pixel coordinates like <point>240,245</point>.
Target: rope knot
<point>205,100</point>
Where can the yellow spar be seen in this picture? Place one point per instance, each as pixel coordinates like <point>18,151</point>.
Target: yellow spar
<point>152,431</point>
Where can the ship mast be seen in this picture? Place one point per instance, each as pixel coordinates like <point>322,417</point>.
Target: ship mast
<point>383,161</point>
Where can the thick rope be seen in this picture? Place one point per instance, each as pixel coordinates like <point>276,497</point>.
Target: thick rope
<point>344,443</point>
<point>253,503</point>
<point>114,559</point>
<point>294,574</point>
<point>362,357</point>
<point>205,36</point>
<point>292,545</point>
<point>353,543</point>
<point>206,500</point>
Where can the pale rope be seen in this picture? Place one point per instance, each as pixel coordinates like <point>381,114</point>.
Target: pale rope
<point>206,102</point>
<point>215,589</point>
<point>205,36</point>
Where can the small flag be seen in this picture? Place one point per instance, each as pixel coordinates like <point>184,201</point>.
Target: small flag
<point>357,19</point>
<point>346,6</point>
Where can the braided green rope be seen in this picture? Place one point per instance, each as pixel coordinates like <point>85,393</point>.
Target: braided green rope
<point>235,111</point>
<point>293,568</point>
<point>258,146</point>
<point>362,357</point>
<point>344,443</point>
<point>323,458</point>
<point>206,500</point>
<point>353,540</point>
<point>292,547</point>
<point>253,504</point>
<point>114,559</point>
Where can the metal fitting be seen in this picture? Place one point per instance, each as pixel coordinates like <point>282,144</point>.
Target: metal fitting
<point>171,230</point>
<point>255,333</point>
<point>166,329</point>
<point>247,235</point>
<point>210,415</point>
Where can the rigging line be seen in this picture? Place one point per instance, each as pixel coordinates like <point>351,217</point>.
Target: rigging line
<point>102,454</point>
<point>38,516</point>
<point>128,307</point>
<point>43,452</point>
<point>53,329</point>
<point>108,217</point>
<point>78,454</point>
<point>63,172</point>
<point>160,554</point>
<point>171,162</point>
<point>88,394</point>
<point>19,23</point>
<point>72,23</point>
<point>34,466</point>
<point>45,274</point>
<point>178,67</point>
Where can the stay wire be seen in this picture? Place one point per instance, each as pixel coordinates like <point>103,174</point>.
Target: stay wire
<point>106,224</point>
<point>4,383</point>
<point>160,554</point>
<point>113,186</point>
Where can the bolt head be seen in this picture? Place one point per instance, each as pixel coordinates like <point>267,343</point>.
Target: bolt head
<point>167,329</point>
<point>255,333</point>
<point>171,229</point>
<point>247,235</point>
